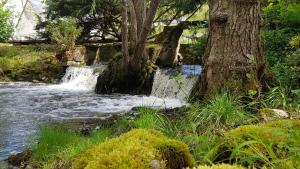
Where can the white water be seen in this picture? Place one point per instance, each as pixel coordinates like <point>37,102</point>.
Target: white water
<point>81,78</point>
<point>175,83</point>
<point>26,106</point>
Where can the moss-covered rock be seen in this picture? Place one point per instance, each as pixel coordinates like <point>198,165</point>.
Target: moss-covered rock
<point>274,144</point>
<point>136,149</point>
<point>221,166</point>
<point>273,114</point>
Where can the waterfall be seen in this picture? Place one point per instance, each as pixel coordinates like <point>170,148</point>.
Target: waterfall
<point>175,83</point>
<point>84,78</point>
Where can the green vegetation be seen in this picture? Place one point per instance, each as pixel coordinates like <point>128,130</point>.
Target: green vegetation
<point>62,145</point>
<point>29,63</point>
<point>273,144</point>
<point>64,32</point>
<point>222,166</point>
<point>136,149</point>
<point>6,22</point>
<point>207,128</point>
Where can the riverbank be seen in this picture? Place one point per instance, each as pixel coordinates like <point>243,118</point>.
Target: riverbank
<point>31,63</point>
<point>219,131</point>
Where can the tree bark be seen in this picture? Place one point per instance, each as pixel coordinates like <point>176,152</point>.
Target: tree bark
<point>233,59</point>
<point>134,73</point>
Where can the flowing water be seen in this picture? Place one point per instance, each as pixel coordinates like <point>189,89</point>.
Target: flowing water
<point>25,106</point>
<point>175,83</point>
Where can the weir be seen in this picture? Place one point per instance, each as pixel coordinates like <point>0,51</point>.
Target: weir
<point>175,83</point>
<point>84,78</point>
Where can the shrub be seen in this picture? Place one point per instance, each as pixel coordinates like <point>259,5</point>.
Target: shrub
<point>6,22</point>
<point>136,149</point>
<point>64,32</point>
<point>274,144</point>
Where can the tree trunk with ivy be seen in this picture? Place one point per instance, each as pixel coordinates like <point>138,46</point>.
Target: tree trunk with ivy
<point>132,71</point>
<point>234,58</point>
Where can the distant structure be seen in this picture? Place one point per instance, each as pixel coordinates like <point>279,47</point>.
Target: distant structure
<point>26,12</point>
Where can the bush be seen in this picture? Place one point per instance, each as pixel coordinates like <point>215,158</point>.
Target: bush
<point>64,32</point>
<point>274,144</point>
<point>136,149</point>
<point>6,23</point>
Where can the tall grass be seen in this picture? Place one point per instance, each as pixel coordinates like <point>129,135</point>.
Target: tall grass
<point>58,144</point>
<point>222,112</point>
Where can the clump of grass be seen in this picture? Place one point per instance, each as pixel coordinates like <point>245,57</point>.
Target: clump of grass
<point>272,145</point>
<point>59,144</point>
<point>222,112</point>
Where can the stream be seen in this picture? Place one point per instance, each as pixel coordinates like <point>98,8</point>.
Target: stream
<point>26,106</point>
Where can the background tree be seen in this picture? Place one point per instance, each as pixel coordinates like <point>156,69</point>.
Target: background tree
<point>233,58</point>
<point>98,18</point>
<point>133,72</point>
<point>6,24</point>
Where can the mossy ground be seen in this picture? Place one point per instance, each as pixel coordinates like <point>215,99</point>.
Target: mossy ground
<point>136,149</point>
<point>32,63</point>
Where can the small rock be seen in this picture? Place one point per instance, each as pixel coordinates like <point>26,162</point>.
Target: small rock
<point>281,113</point>
<point>273,114</point>
<point>19,159</point>
<point>155,164</point>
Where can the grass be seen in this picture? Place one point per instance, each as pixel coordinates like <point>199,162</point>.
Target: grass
<point>203,128</point>
<point>59,144</point>
<point>29,63</point>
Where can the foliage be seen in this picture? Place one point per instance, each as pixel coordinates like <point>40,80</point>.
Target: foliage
<point>295,42</point>
<point>94,16</point>
<point>29,63</point>
<point>281,13</point>
<point>58,144</point>
<point>281,31</point>
<point>64,32</point>
<point>273,144</point>
<point>196,50</point>
<point>6,22</point>
<point>138,149</point>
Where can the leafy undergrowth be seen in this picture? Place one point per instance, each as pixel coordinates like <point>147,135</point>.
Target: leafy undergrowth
<point>29,63</point>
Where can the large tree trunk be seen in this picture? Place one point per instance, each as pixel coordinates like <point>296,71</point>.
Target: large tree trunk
<point>233,58</point>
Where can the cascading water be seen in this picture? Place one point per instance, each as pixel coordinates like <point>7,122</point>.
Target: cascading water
<point>175,83</point>
<point>81,78</point>
<point>25,106</point>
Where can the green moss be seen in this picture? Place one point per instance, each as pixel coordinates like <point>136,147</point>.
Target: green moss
<point>271,144</point>
<point>221,166</point>
<point>136,149</point>
<point>29,63</point>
